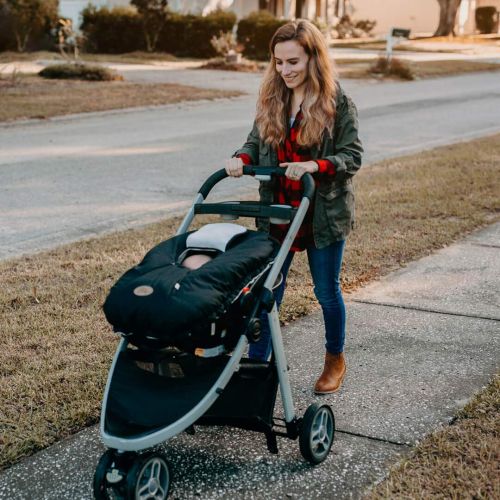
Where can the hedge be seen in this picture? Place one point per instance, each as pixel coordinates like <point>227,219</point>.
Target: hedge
<point>114,31</point>
<point>189,35</point>
<point>119,30</point>
<point>255,32</point>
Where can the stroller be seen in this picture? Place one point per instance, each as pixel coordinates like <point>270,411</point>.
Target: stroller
<point>180,361</point>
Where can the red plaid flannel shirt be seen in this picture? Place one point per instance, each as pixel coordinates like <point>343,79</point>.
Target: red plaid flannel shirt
<point>289,192</point>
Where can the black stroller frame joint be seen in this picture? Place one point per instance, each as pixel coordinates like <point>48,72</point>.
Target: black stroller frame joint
<point>153,394</point>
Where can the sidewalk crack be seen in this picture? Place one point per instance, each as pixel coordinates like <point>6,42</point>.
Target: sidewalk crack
<point>424,309</point>
<point>373,438</point>
<point>486,245</point>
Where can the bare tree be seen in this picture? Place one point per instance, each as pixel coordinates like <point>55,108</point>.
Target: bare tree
<point>67,40</point>
<point>341,7</point>
<point>154,17</point>
<point>447,15</point>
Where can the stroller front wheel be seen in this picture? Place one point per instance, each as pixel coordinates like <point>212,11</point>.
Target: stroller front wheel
<point>317,432</point>
<point>107,467</point>
<point>148,478</point>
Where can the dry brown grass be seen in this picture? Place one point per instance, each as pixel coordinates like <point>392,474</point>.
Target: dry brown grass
<point>493,39</point>
<point>137,57</point>
<point>370,68</point>
<point>420,69</point>
<point>419,44</point>
<point>245,66</point>
<point>9,56</point>
<point>55,347</point>
<point>35,97</point>
<point>458,461</point>
<point>432,69</point>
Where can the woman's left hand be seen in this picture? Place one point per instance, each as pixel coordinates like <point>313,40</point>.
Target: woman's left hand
<point>295,170</point>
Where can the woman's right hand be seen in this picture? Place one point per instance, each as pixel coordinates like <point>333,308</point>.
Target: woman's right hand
<point>234,167</point>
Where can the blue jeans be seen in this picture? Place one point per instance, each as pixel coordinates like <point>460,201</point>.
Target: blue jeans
<point>325,265</point>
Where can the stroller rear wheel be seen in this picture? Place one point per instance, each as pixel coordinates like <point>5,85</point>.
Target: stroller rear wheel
<point>317,432</point>
<point>148,478</point>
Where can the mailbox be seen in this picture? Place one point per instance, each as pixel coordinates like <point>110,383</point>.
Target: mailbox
<point>400,33</point>
<point>394,35</point>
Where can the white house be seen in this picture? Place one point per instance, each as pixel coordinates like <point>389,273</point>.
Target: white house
<point>281,8</point>
<point>421,16</point>
<point>72,8</point>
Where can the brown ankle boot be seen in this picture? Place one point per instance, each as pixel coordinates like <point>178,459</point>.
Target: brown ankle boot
<point>333,374</point>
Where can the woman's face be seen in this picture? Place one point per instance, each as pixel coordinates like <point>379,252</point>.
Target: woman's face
<point>291,63</point>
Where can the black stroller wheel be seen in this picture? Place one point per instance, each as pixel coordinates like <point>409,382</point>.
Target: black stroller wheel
<point>148,478</point>
<point>317,433</point>
<point>102,489</point>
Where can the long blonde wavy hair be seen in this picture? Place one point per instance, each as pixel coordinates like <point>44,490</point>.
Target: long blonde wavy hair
<point>318,107</point>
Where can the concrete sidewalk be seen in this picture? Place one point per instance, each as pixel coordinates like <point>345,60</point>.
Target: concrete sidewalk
<point>415,51</point>
<point>420,343</point>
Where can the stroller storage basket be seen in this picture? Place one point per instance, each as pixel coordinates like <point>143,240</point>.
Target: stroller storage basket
<point>152,391</point>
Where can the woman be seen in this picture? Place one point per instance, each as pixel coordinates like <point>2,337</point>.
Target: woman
<point>306,123</point>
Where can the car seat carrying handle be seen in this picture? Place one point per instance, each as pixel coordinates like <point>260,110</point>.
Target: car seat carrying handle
<point>307,179</point>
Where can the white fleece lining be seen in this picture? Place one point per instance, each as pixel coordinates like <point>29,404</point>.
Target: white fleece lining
<point>214,236</point>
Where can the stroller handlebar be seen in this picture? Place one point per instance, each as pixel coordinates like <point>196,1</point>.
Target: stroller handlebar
<point>307,179</point>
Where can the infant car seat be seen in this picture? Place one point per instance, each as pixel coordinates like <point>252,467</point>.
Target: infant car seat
<point>162,303</point>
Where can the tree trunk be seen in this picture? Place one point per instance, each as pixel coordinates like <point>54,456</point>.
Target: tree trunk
<point>149,41</point>
<point>18,42</point>
<point>21,40</point>
<point>447,15</point>
<point>336,8</point>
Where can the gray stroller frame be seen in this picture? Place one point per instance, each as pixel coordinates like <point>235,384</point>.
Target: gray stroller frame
<point>122,473</point>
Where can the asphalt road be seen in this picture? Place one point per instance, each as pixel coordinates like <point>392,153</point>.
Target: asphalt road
<point>415,353</point>
<point>69,178</point>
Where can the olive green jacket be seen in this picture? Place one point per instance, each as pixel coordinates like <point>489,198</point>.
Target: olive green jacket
<point>334,198</point>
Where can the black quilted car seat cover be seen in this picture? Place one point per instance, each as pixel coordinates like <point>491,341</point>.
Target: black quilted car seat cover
<point>161,299</point>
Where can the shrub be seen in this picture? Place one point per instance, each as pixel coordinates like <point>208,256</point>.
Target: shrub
<point>225,44</point>
<point>255,32</point>
<point>68,41</point>
<point>26,24</point>
<point>487,19</point>
<point>79,72</point>
<point>394,67</point>
<point>7,41</point>
<point>350,28</point>
<point>112,31</point>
